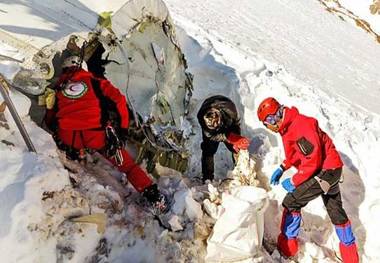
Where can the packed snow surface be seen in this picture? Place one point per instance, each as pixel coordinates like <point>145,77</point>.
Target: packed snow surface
<point>315,46</point>
<point>247,50</point>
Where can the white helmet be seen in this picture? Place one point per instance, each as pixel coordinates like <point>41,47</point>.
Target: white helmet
<point>71,62</point>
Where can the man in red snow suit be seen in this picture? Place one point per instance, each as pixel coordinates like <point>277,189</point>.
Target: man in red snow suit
<point>319,168</point>
<point>78,117</point>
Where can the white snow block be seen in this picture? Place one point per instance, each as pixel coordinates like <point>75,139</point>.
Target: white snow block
<point>238,233</point>
<point>175,224</point>
<point>184,203</point>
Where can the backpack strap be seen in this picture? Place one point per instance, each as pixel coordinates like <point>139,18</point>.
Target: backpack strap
<point>102,102</point>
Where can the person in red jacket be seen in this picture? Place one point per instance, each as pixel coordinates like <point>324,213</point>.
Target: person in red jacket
<point>79,125</point>
<point>319,168</point>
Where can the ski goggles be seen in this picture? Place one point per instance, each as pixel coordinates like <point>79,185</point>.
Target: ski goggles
<point>272,119</point>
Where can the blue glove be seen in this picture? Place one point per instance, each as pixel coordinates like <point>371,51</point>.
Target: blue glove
<point>288,186</point>
<point>275,179</point>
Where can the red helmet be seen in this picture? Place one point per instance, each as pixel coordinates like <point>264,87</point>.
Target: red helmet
<point>268,106</point>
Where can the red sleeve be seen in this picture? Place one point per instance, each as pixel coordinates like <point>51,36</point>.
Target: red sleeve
<point>113,93</point>
<point>310,162</point>
<point>291,158</point>
<point>286,164</point>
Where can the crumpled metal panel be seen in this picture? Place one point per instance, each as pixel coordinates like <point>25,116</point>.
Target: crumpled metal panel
<point>151,69</point>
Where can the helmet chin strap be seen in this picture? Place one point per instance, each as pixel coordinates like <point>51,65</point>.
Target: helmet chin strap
<point>274,128</point>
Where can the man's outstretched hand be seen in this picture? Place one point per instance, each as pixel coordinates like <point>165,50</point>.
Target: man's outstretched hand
<point>238,142</point>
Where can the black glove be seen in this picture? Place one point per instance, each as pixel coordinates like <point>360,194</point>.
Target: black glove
<point>157,200</point>
<point>151,193</point>
<point>123,134</point>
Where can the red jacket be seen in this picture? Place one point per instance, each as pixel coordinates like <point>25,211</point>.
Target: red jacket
<point>306,146</point>
<point>78,107</point>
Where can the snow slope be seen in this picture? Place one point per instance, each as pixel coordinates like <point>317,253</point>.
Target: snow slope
<point>341,59</point>
<point>46,21</point>
<point>362,10</point>
<point>247,50</point>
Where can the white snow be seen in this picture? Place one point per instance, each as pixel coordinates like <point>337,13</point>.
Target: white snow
<point>315,46</point>
<point>247,50</point>
<point>46,21</point>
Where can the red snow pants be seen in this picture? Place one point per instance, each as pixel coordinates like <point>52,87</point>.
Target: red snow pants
<point>95,139</point>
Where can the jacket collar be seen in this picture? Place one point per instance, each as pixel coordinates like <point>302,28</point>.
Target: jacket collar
<point>289,115</point>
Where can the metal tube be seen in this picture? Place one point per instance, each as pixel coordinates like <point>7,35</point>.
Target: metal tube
<point>4,87</point>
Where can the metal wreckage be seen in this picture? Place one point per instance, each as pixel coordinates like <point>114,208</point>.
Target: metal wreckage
<point>136,49</point>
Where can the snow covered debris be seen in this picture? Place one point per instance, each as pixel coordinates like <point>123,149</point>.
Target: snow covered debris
<point>247,50</point>
<point>244,172</point>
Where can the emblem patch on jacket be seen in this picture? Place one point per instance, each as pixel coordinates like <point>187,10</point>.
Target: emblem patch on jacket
<point>74,90</point>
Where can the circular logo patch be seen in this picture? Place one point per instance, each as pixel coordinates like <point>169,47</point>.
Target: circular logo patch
<point>74,90</point>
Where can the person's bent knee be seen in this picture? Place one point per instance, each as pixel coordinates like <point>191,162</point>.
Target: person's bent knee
<point>338,219</point>
<point>289,203</point>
